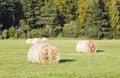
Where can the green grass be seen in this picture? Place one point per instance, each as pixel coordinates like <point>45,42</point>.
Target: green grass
<point>104,64</point>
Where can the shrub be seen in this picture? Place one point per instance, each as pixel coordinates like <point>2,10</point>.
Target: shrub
<point>34,33</point>
<point>24,25</point>
<point>5,34</point>
<point>45,32</point>
<point>42,32</point>
<point>70,30</point>
<point>1,37</point>
<point>20,34</point>
<point>11,31</point>
<point>57,31</point>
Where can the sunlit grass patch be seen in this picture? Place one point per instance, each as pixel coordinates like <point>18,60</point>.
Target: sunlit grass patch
<point>103,64</point>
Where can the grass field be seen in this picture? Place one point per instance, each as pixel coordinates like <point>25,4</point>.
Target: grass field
<point>103,64</point>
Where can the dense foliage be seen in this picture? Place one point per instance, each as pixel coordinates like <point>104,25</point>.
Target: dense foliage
<point>96,23</point>
<point>97,19</point>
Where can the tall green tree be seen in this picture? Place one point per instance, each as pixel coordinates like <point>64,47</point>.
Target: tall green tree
<point>65,10</point>
<point>113,11</point>
<point>18,12</point>
<point>6,13</point>
<point>31,9</point>
<point>10,13</point>
<point>48,16</point>
<point>82,10</point>
<point>96,24</point>
<point>114,17</point>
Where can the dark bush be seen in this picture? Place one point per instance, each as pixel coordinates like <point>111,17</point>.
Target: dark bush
<point>11,31</point>
<point>70,30</point>
<point>5,34</point>
<point>20,34</point>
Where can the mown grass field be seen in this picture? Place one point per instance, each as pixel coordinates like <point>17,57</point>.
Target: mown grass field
<point>103,64</point>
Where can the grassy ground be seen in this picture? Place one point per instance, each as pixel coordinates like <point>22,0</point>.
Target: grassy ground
<point>104,64</point>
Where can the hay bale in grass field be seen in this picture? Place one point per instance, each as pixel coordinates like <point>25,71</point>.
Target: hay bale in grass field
<point>29,40</point>
<point>44,53</point>
<point>33,53</point>
<point>49,54</point>
<point>44,39</point>
<point>86,46</point>
<point>36,41</point>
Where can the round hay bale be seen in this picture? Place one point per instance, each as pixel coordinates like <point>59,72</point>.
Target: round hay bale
<point>92,46</point>
<point>36,41</point>
<point>34,52</point>
<point>86,46</point>
<point>49,54</point>
<point>29,40</point>
<point>44,53</point>
<point>44,39</point>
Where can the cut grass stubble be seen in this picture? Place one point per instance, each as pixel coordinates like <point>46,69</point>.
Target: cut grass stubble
<point>103,64</point>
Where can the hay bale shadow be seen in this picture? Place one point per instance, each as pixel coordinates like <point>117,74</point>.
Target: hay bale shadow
<point>66,60</point>
<point>100,50</point>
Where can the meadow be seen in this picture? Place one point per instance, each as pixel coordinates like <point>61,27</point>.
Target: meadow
<point>103,64</point>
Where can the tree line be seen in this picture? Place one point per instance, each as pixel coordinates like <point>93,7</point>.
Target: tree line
<point>98,19</point>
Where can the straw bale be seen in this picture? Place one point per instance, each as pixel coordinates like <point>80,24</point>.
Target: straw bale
<point>44,53</point>
<point>44,39</point>
<point>29,40</point>
<point>49,54</point>
<point>86,46</point>
<point>36,41</point>
<point>34,52</point>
